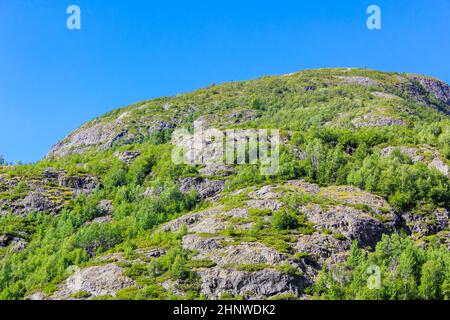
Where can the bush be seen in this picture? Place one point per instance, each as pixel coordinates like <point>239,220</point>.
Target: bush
<point>283,220</point>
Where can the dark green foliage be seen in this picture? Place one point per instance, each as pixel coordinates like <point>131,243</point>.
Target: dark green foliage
<point>283,220</point>
<point>407,271</point>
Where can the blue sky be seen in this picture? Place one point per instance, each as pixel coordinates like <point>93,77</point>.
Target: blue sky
<point>53,79</point>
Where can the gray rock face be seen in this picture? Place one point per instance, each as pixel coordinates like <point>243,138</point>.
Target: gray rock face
<point>247,253</point>
<point>438,89</point>
<point>265,204</point>
<point>205,187</point>
<point>356,196</point>
<point>321,246</point>
<point>105,207</point>
<point>84,184</point>
<point>371,120</point>
<point>384,95</point>
<point>101,134</point>
<point>420,224</point>
<point>37,296</point>
<point>37,202</point>
<point>127,156</point>
<point>189,219</point>
<point>358,80</point>
<point>195,222</point>
<point>98,280</point>
<point>266,192</point>
<point>216,170</point>
<point>18,244</point>
<point>305,187</point>
<point>201,244</point>
<point>208,225</point>
<point>100,220</point>
<point>259,284</point>
<point>47,193</point>
<point>152,192</point>
<point>352,223</point>
<point>440,166</point>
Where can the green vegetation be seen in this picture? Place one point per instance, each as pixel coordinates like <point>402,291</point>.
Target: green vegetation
<point>322,146</point>
<point>283,220</point>
<point>406,272</point>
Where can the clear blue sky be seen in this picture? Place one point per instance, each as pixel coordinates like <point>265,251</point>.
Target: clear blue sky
<point>52,79</point>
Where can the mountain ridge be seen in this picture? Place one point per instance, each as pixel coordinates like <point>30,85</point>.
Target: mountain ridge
<point>117,129</point>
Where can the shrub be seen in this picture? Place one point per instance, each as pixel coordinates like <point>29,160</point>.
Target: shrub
<point>283,220</point>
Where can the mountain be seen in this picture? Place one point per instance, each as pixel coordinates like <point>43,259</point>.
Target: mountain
<point>357,206</point>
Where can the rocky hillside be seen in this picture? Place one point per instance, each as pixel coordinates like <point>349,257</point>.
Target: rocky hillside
<point>363,183</point>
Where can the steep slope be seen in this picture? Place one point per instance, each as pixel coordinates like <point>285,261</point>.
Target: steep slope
<point>363,183</point>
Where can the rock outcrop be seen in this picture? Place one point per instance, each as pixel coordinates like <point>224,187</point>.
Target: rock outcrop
<point>204,188</point>
<point>254,285</point>
<point>95,281</point>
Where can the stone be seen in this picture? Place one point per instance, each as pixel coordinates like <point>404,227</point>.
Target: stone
<point>353,224</point>
<point>209,225</point>
<point>100,220</point>
<point>266,192</point>
<point>364,81</point>
<point>201,244</point>
<point>247,253</point>
<point>205,188</point>
<point>37,202</point>
<point>354,195</point>
<point>37,296</point>
<point>421,224</point>
<point>272,205</point>
<point>127,156</point>
<point>84,184</point>
<point>437,88</point>
<point>439,165</point>
<point>371,120</point>
<point>98,281</point>
<point>18,244</point>
<point>260,284</point>
<point>216,170</point>
<point>320,247</point>
<point>105,207</point>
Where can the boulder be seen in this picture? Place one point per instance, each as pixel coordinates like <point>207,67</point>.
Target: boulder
<point>352,223</point>
<point>216,170</point>
<point>258,285</point>
<point>266,204</point>
<point>319,247</point>
<point>97,281</point>
<point>421,224</point>
<point>205,188</point>
<point>127,156</point>
<point>105,207</point>
<point>37,202</point>
<point>247,253</point>
<point>81,184</point>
